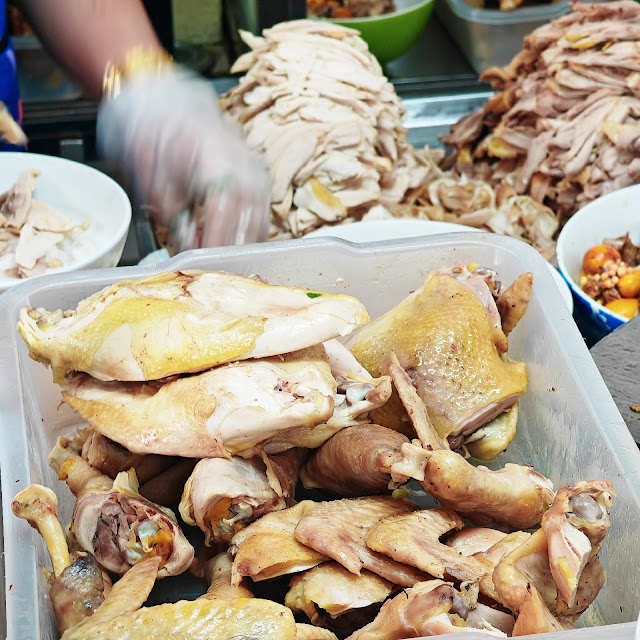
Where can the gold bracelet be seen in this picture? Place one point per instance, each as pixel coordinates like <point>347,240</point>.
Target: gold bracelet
<point>137,61</point>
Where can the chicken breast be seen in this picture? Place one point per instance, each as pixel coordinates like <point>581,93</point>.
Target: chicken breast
<point>443,335</point>
<point>338,530</point>
<point>217,413</point>
<point>182,322</point>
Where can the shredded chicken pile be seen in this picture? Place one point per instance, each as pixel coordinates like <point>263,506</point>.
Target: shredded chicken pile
<point>564,128</point>
<point>315,104</point>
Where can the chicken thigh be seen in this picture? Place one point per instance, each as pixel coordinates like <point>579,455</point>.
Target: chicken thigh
<point>443,335</point>
<point>180,322</point>
<point>217,413</point>
<point>114,523</point>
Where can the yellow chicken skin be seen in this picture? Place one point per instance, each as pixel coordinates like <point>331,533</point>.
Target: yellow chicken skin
<point>183,321</point>
<point>451,347</point>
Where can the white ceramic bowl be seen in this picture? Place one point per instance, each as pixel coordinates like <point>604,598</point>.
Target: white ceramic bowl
<point>81,193</point>
<point>375,230</point>
<point>610,216</point>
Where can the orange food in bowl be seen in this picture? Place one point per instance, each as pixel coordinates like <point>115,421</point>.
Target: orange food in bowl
<point>595,258</point>
<point>629,284</point>
<point>626,307</point>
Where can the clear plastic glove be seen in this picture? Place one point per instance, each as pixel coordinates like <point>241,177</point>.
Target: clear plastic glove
<point>168,133</point>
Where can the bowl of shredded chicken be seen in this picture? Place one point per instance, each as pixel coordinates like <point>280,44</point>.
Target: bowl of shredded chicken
<point>57,215</point>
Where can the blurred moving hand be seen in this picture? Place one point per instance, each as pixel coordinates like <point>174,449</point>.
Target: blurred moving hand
<point>167,131</point>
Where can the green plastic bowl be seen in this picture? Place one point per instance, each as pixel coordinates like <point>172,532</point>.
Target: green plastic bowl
<point>391,35</point>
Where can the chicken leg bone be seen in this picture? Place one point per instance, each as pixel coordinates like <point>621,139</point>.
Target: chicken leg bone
<point>38,506</point>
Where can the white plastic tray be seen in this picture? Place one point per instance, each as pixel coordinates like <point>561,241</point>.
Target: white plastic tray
<point>569,429</point>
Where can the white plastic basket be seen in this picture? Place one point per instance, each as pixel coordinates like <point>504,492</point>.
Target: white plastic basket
<point>569,428</point>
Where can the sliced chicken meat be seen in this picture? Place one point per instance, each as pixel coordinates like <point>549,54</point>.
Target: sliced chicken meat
<point>180,322</point>
<point>16,202</point>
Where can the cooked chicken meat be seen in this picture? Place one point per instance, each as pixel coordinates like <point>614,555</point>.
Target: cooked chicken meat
<point>10,130</point>
<point>516,495</point>
<point>268,547</point>
<point>114,523</point>
<point>534,617</point>
<point>78,586</point>
<point>180,322</point>
<point>355,462</point>
<point>472,540</point>
<point>528,565</point>
<point>16,202</point>
<point>428,609</point>
<point>513,302</point>
<point>217,571</point>
<point>334,148</point>
<point>223,495</point>
<point>357,394</point>
<point>120,618</point>
<point>111,458</point>
<point>329,591</point>
<point>563,126</point>
<point>338,529</point>
<point>442,335</point>
<point>166,488</point>
<point>575,527</point>
<point>226,410</point>
<point>414,539</point>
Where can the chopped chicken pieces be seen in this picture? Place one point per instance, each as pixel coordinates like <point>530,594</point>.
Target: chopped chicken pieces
<point>181,322</point>
<point>223,495</point>
<point>114,523</point>
<point>10,130</point>
<point>442,334</point>
<point>355,462</point>
<point>268,548</point>
<point>575,527</point>
<point>331,589</point>
<point>226,410</point>
<point>338,529</point>
<point>217,571</point>
<point>472,540</point>
<point>78,586</point>
<point>534,617</point>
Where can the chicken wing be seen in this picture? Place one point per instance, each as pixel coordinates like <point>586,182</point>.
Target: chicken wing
<point>575,527</point>
<point>338,530</point>
<point>180,322</point>
<point>355,461</point>
<point>429,608</point>
<point>223,495</point>
<point>528,564</point>
<point>78,586</point>
<point>114,523</point>
<point>217,413</point>
<point>217,572</point>
<point>443,335</point>
<point>267,548</point>
<point>329,591</point>
<point>120,618</point>
<point>414,539</point>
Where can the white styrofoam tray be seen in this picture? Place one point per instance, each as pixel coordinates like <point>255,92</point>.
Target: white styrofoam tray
<point>569,427</point>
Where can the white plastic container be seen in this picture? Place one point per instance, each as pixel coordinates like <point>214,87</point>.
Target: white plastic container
<point>569,428</point>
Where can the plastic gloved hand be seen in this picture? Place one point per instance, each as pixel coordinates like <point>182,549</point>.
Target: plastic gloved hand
<point>167,131</point>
